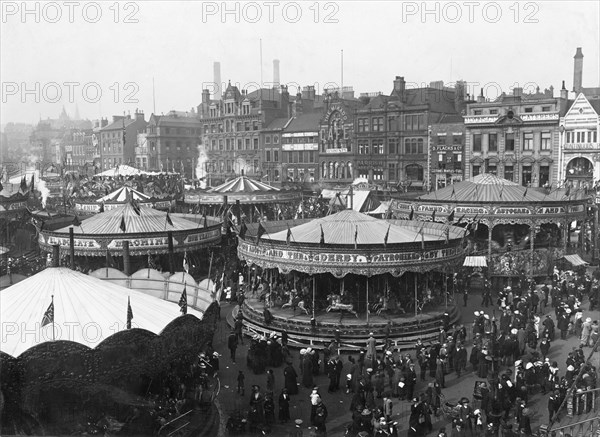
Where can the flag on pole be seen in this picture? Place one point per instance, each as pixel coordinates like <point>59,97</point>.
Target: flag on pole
<point>136,207</point>
<point>387,234</point>
<point>525,192</point>
<point>186,266</point>
<point>76,221</point>
<point>49,314</point>
<point>411,214</point>
<point>23,184</point>
<point>451,216</point>
<point>460,219</point>
<point>288,237</point>
<point>243,229</point>
<point>356,238</point>
<point>122,226</point>
<point>32,186</point>
<point>261,231</point>
<point>433,216</point>
<point>322,241</point>
<point>183,301</point>
<point>129,313</point>
<point>169,221</point>
<point>453,193</point>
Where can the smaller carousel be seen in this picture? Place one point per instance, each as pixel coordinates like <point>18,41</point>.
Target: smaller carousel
<point>348,274</point>
<point>253,196</point>
<point>521,231</point>
<point>88,205</point>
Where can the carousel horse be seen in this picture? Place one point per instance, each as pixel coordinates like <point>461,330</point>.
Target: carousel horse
<point>335,303</point>
<point>295,302</point>
<point>382,305</point>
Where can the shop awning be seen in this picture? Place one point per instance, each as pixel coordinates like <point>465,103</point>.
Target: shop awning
<point>575,260</point>
<point>475,261</point>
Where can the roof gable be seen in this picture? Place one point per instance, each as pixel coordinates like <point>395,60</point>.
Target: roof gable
<point>581,108</point>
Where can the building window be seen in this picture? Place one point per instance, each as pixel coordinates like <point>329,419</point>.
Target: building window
<point>246,109</point>
<point>377,147</point>
<point>414,172</point>
<point>255,125</point>
<point>276,155</point>
<point>442,161</point>
<point>363,125</point>
<point>509,172</point>
<point>509,141</point>
<point>220,144</point>
<point>544,175</point>
<point>528,109</point>
<point>255,142</point>
<point>477,112</point>
<point>546,140</point>
<point>414,122</point>
<point>268,139</point>
<point>526,179</point>
<point>492,168</point>
<point>392,144</point>
<point>377,124</point>
<point>476,170</point>
<point>441,140</point>
<point>546,108</point>
<point>493,111</point>
<point>457,139</point>
<point>275,139</point>
<point>239,144</point>
<point>392,123</point>
<point>493,143</point>
<point>476,142</point>
<point>268,156</point>
<point>528,141</point>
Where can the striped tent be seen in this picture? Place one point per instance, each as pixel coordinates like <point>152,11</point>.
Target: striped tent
<point>242,184</point>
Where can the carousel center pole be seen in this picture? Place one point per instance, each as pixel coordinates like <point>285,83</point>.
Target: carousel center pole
<point>416,297</point>
<point>314,294</point>
<point>446,289</point>
<point>367,300</point>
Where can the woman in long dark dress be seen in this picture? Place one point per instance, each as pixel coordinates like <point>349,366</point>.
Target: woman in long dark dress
<point>291,382</point>
<point>307,372</point>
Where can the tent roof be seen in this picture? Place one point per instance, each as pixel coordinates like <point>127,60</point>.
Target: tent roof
<point>340,228</point>
<point>575,260</point>
<point>242,184</point>
<point>122,194</point>
<point>121,170</point>
<point>149,221</point>
<point>486,188</point>
<point>87,310</point>
<point>475,261</point>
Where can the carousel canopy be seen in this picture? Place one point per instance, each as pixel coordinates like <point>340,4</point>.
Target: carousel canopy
<point>343,227</point>
<point>242,184</point>
<point>486,188</point>
<point>122,194</point>
<point>575,260</point>
<point>145,228</point>
<point>353,242</point>
<point>86,310</point>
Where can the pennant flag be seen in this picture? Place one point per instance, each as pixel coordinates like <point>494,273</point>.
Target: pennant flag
<point>49,314</point>
<point>322,241</point>
<point>243,229</point>
<point>433,216</point>
<point>102,207</point>
<point>129,313</point>
<point>501,190</point>
<point>76,221</point>
<point>356,237</point>
<point>23,184</point>
<point>205,222</point>
<point>451,216</point>
<point>122,226</point>
<point>186,266</point>
<point>288,237</point>
<point>32,186</point>
<point>169,221</point>
<point>460,219</point>
<point>411,214</point>
<point>183,301</point>
<point>453,193</point>
<point>136,207</point>
<point>387,234</point>
<point>525,192</point>
<point>261,231</point>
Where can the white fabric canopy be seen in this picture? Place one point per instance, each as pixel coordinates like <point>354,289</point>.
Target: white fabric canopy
<point>87,310</point>
<point>575,260</point>
<point>475,261</point>
<point>121,170</point>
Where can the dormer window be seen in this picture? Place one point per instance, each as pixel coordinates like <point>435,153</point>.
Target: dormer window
<point>246,108</point>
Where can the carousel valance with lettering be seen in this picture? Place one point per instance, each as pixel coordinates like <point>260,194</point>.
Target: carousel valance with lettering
<point>353,242</point>
<point>489,198</point>
<point>120,197</point>
<point>146,229</point>
<point>244,189</point>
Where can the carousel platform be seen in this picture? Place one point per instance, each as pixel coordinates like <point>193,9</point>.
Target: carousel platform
<point>405,328</point>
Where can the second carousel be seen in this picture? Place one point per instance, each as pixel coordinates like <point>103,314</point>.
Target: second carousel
<point>349,276</point>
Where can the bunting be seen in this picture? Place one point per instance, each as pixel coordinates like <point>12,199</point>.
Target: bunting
<point>129,313</point>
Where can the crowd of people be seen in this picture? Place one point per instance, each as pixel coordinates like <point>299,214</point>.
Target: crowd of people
<point>510,355</point>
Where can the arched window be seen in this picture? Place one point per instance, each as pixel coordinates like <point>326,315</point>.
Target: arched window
<point>331,171</point>
<point>414,172</point>
<point>337,170</point>
<point>323,170</point>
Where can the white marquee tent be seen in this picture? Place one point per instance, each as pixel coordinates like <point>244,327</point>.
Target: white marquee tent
<point>87,310</point>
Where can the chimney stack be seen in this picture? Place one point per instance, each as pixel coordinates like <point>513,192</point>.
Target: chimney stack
<point>400,87</point>
<point>578,70</point>
<point>564,94</point>
<point>276,81</point>
<point>481,97</point>
<point>217,79</point>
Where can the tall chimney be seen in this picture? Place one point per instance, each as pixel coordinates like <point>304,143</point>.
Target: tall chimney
<point>217,77</point>
<point>564,94</point>
<point>276,74</point>
<point>578,70</point>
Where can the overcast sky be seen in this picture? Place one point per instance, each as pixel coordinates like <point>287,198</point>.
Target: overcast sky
<point>505,43</point>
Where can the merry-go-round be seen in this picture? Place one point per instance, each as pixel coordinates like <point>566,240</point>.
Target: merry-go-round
<point>347,275</point>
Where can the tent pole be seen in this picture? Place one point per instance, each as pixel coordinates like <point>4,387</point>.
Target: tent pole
<point>416,297</point>
<point>367,300</point>
<point>314,294</point>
